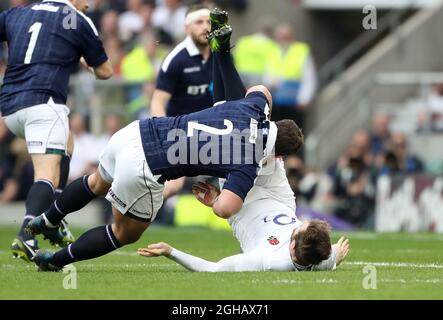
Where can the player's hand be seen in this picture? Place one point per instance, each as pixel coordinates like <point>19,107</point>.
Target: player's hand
<point>206,193</point>
<point>341,250</point>
<point>155,250</point>
<point>83,63</point>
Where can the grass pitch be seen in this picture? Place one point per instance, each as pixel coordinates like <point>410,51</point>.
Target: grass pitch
<point>408,266</point>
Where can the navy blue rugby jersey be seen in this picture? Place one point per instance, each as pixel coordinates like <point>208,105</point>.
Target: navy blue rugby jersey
<point>45,43</point>
<point>188,78</point>
<point>224,141</point>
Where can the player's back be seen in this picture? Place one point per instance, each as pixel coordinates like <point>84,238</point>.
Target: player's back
<point>45,42</point>
<point>224,141</point>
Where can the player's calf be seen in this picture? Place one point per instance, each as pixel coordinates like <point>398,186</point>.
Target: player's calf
<point>127,230</point>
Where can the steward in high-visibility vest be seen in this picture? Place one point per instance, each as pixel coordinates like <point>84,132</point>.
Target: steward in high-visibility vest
<point>136,66</point>
<point>285,70</point>
<point>251,56</point>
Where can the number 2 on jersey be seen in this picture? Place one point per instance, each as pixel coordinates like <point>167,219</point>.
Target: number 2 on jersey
<point>34,30</point>
<point>198,126</point>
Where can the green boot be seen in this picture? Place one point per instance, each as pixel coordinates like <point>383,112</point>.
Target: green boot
<point>220,40</point>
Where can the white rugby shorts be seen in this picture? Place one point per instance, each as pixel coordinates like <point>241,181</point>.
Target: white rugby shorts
<point>134,190</point>
<point>45,127</point>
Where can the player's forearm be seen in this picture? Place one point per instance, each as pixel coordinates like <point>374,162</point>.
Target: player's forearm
<point>191,262</point>
<point>159,101</point>
<point>104,71</point>
<point>158,110</point>
<point>173,187</point>
<point>236,263</point>
<point>227,204</point>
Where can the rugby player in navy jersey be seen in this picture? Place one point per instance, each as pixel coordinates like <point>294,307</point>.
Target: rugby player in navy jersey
<point>184,80</point>
<point>271,236</point>
<point>141,157</point>
<point>45,43</point>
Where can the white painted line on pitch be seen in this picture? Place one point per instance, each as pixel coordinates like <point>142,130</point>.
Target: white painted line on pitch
<point>411,280</point>
<point>132,265</point>
<point>397,264</point>
<point>393,236</point>
<point>124,253</point>
<point>406,251</point>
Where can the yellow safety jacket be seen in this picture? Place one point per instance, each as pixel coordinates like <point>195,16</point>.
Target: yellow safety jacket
<point>252,53</point>
<point>289,65</point>
<point>136,66</point>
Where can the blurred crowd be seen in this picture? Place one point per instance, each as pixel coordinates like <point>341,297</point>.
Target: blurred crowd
<point>348,189</point>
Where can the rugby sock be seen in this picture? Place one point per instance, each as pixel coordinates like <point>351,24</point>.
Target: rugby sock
<point>91,244</point>
<point>64,171</point>
<point>217,80</point>
<point>64,174</point>
<point>39,198</point>
<point>232,83</point>
<point>76,195</point>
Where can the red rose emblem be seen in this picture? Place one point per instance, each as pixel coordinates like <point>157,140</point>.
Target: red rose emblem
<point>273,241</point>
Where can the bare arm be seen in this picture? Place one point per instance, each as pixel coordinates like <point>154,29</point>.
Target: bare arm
<point>224,204</point>
<point>102,72</point>
<point>251,261</point>
<point>160,99</point>
<point>172,187</point>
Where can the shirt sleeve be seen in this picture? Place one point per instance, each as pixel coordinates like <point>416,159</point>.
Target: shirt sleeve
<point>91,45</point>
<point>258,99</point>
<point>3,25</point>
<point>251,261</point>
<point>329,264</point>
<point>168,77</point>
<point>241,180</point>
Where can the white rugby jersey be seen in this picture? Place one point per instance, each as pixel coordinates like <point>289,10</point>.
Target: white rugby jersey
<point>263,227</point>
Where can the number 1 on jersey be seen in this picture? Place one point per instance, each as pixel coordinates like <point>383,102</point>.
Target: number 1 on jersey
<point>34,30</point>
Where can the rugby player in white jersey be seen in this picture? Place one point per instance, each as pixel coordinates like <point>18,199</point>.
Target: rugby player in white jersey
<point>271,236</point>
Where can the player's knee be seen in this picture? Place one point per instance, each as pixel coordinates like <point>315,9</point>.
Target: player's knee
<point>126,235</point>
<point>97,185</point>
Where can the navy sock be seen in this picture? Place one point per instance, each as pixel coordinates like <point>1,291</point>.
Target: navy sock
<point>64,174</point>
<point>217,80</point>
<point>234,88</point>
<point>76,195</point>
<point>91,244</point>
<point>39,198</point>
<point>64,171</point>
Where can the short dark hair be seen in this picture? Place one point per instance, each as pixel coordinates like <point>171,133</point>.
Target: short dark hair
<point>289,138</point>
<point>313,245</point>
<point>195,7</point>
